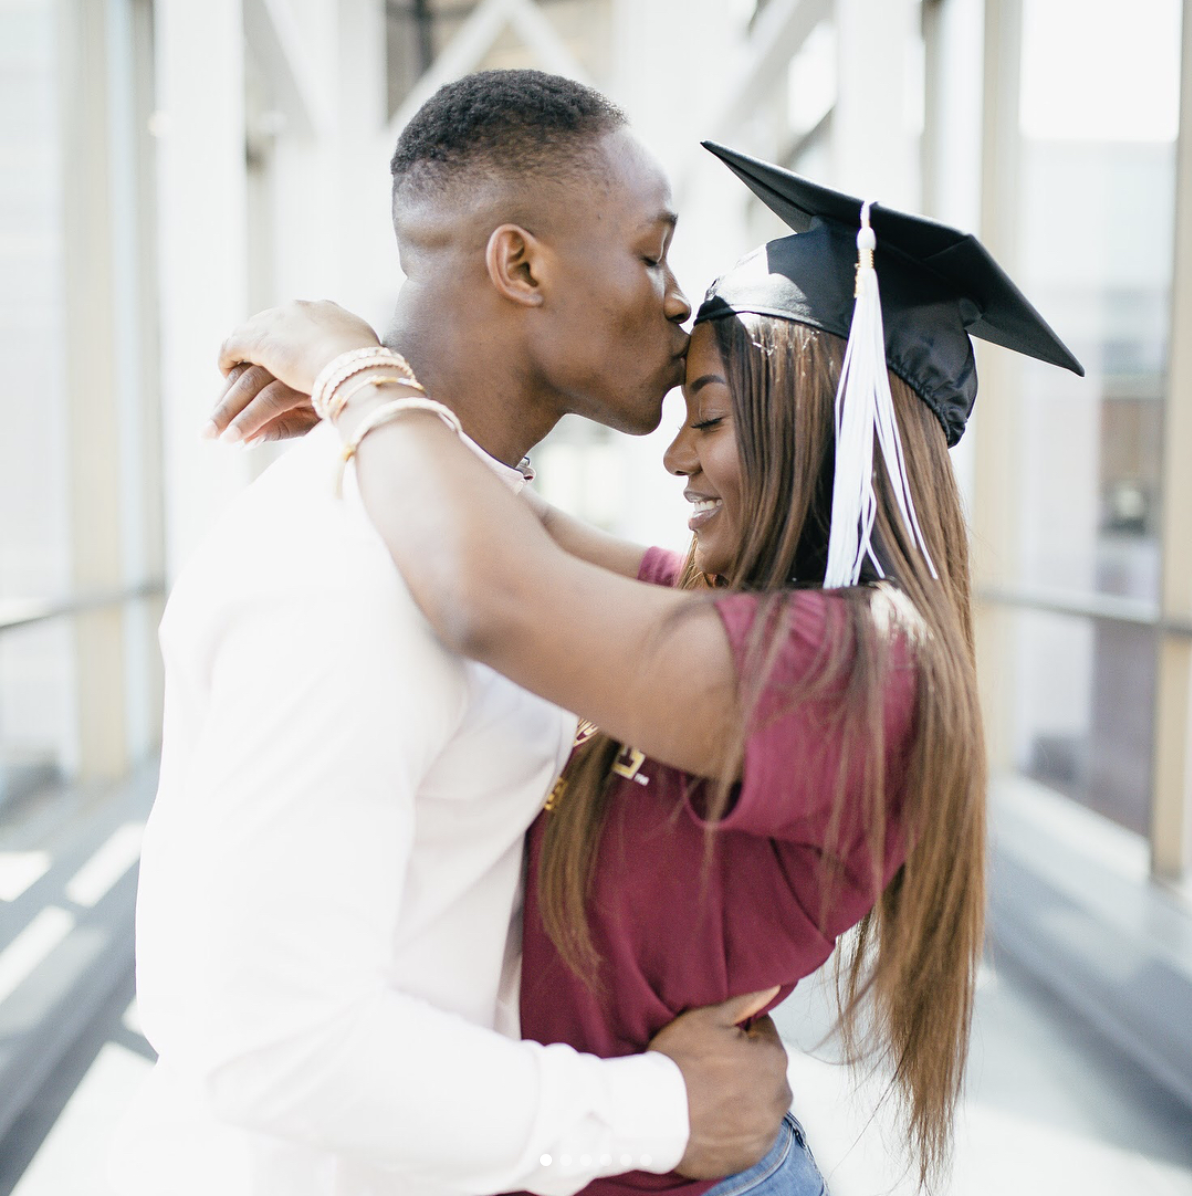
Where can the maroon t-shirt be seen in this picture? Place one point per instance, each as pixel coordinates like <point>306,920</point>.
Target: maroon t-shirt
<point>676,931</point>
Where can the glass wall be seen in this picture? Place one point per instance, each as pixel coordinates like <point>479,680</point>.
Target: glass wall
<point>1094,233</point>
<point>79,475</point>
<point>37,740</point>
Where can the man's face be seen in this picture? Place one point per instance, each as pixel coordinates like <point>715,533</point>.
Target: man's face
<point>611,341</point>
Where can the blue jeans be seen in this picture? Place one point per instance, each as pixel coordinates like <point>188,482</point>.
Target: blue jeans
<point>788,1170</point>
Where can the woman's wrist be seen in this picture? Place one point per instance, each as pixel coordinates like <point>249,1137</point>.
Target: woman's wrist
<point>372,395</point>
<point>360,392</point>
<point>344,375</point>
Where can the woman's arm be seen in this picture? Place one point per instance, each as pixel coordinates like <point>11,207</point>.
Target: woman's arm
<point>649,665</point>
<point>255,406</point>
<point>585,541</point>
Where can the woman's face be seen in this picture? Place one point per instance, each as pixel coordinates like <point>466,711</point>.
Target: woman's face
<point>705,454</point>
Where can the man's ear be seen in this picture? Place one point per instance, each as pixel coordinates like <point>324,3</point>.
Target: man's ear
<point>516,263</point>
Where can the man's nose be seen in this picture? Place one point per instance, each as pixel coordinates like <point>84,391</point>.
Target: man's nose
<point>677,308</point>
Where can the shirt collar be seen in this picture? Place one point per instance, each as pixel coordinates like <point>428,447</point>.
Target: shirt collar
<point>514,477</point>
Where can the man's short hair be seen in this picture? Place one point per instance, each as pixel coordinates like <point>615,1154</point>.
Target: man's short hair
<point>501,124</point>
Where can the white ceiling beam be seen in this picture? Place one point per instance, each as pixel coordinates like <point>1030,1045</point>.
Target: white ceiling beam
<point>475,38</point>
<point>536,31</point>
<point>279,47</point>
<point>779,34</point>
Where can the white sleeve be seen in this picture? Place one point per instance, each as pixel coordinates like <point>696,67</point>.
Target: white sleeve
<point>268,974</point>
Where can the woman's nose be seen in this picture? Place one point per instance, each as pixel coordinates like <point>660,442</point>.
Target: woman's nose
<point>679,458</point>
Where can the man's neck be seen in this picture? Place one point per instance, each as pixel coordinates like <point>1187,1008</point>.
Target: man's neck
<point>482,383</point>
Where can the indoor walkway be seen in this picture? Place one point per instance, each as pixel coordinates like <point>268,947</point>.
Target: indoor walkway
<point>1051,1110</point>
<point>1052,1107</point>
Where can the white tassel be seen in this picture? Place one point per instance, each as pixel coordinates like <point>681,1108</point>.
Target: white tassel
<point>864,405</point>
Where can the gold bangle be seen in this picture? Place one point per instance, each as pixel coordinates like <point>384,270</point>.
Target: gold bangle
<point>385,414</point>
<point>341,396</point>
<point>341,368</point>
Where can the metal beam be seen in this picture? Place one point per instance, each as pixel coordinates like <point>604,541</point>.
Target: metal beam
<point>424,24</point>
<point>1171,812</point>
<point>21,612</point>
<point>279,46</point>
<point>475,38</point>
<point>996,459</point>
<point>778,35</point>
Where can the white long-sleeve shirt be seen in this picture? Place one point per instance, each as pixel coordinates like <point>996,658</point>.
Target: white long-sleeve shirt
<point>328,882</point>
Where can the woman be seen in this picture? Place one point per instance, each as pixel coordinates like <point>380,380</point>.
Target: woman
<point>789,738</point>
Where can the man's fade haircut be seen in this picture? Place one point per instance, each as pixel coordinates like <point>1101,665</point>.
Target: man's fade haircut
<point>494,124</point>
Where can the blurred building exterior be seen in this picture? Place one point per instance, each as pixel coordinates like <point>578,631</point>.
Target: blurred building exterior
<point>170,166</point>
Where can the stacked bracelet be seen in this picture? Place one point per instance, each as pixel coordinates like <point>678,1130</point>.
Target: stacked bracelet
<point>340,397</point>
<point>347,365</point>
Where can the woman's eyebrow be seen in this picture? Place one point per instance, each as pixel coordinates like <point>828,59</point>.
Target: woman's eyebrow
<point>702,381</point>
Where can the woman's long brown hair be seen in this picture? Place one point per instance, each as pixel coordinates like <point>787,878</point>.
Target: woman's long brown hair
<point>906,976</point>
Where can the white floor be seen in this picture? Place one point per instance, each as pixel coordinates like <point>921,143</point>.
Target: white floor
<point>1051,1111</point>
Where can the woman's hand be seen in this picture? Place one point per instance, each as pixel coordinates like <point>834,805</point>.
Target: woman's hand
<point>255,406</point>
<point>272,361</point>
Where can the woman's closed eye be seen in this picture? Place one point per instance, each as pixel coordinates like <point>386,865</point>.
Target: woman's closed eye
<point>704,425</point>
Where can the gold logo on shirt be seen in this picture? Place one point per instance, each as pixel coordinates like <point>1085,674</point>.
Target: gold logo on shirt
<point>628,764</point>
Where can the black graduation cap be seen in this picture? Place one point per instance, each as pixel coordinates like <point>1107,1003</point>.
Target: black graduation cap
<point>938,286</point>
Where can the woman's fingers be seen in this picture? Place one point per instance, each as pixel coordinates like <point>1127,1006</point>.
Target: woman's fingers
<point>243,383</point>
<point>255,405</point>
<point>296,340</point>
<point>285,427</point>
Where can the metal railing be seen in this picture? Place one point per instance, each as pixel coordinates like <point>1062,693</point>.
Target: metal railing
<point>1104,608</point>
<point>23,612</point>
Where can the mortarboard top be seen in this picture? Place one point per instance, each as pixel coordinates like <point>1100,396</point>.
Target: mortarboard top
<point>938,286</point>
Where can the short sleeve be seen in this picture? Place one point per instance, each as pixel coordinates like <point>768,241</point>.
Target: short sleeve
<point>796,761</point>
<point>660,567</point>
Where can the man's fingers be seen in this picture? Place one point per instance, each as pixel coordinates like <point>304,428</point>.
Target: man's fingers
<point>764,1028</point>
<point>739,1009</point>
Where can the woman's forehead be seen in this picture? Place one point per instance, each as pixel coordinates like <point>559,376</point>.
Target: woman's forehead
<point>705,365</point>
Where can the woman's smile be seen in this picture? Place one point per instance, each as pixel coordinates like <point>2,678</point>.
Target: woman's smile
<point>704,454</point>
<point>705,509</point>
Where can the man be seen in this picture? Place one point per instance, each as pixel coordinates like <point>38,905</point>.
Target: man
<point>331,867</point>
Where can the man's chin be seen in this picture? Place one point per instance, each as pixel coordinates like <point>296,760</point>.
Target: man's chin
<point>637,418</point>
<point>652,412</point>
<point>641,421</point>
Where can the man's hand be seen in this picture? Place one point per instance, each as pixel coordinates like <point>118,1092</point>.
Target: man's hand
<point>737,1092</point>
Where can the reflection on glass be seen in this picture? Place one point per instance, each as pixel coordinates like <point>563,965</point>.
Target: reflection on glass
<point>1095,250</point>
<point>1085,710</point>
<point>37,716</point>
<point>34,559</point>
<point>37,713</point>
